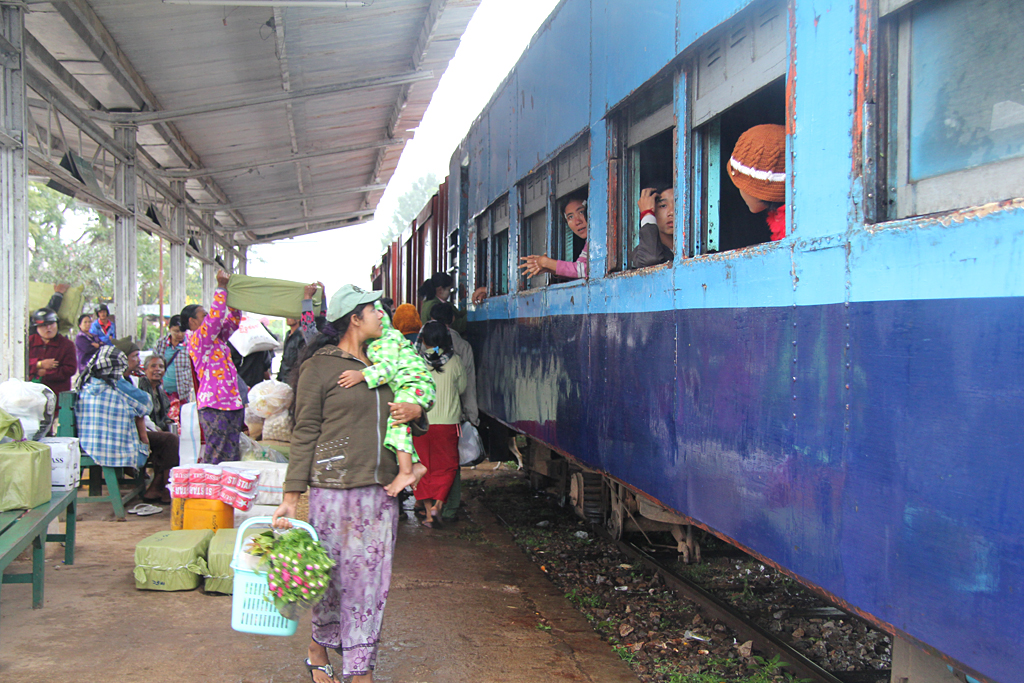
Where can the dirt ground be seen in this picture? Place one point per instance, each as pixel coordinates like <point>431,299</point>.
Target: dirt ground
<point>465,606</point>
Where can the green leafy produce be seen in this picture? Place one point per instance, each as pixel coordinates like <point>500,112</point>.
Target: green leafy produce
<point>298,569</point>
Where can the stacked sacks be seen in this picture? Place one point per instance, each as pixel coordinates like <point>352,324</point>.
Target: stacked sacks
<point>270,401</point>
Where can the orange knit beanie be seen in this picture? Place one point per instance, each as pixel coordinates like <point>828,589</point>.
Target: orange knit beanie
<point>758,163</point>
<point>407,320</point>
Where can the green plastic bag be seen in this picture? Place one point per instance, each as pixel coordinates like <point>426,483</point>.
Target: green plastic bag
<point>266,296</point>
<point>221,578</point>
<point>10,426</point>
<point>39,294</point>
<point>172,560</point>
<point>24,475</point>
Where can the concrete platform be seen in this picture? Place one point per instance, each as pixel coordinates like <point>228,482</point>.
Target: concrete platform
<point>464,606</point>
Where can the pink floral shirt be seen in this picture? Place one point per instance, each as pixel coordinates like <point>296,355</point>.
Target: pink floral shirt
<point>211,356</point>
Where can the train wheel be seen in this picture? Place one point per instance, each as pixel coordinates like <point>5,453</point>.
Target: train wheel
<point>586,491</point>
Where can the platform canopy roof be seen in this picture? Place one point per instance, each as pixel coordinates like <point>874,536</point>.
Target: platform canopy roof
<point>282,118</point>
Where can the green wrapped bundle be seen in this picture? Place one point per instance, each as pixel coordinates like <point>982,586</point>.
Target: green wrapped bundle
<point>39,294</point>
<point>24,475</point>
<point>172,560</point>
<point>267,296</point>
<point>221,578</point>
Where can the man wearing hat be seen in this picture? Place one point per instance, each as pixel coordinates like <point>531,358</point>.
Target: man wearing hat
<point>51,355</point>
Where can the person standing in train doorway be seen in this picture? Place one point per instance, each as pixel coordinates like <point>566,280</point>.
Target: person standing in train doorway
<point>438,289</point>
<point>757,168</point>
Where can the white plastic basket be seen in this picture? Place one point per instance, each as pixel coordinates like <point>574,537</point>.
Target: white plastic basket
<point>251,609</point>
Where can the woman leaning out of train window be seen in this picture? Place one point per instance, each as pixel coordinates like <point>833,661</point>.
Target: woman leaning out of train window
<point>757,168</point>
<point>657,227</point>
<point>575,212</point>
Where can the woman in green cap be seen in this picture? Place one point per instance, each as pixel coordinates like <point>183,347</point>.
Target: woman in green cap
<point>338,452</point>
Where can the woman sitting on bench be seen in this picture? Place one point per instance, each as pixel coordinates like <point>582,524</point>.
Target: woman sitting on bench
<point>107,412</point>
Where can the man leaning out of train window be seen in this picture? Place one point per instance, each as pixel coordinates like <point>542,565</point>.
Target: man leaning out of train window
<point>575,212</point>
<point>657,227</point>
<point>757,168</point>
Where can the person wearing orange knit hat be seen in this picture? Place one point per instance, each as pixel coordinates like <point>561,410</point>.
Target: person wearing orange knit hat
<point>757,168</point>
<point>407,321</point>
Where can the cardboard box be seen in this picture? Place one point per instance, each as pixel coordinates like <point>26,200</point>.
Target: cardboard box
<point>66,462</point>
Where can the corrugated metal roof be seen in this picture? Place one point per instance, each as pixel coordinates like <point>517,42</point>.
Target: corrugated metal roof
<point>145,55</point>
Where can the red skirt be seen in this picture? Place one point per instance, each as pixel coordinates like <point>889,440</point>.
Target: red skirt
<point>439,452</point>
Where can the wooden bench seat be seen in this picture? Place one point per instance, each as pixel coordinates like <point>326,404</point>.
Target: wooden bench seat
<point>21,528</point>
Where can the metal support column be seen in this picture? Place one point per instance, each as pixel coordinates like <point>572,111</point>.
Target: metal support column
<point>179,227</point>
<point>209,269</point>
<point>126,282</point>
<point>13,201</point>
<point>243,259</point>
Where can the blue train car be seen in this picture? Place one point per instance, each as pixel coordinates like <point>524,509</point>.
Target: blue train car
<point>846,401</point>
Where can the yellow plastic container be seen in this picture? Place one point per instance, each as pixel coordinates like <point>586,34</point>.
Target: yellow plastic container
<point>177,513</point>
<point>201,513</point>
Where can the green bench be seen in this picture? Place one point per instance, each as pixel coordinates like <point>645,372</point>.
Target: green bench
<point>20,529</point>
<point>113,477</point>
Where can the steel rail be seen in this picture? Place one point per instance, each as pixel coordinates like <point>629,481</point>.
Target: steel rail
<point>798,663</point>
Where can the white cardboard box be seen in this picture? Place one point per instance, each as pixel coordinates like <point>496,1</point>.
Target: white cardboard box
<point>65,461</point>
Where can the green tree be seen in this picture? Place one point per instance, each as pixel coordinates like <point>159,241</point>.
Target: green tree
<point>409,206</point>
<point>88,258</point>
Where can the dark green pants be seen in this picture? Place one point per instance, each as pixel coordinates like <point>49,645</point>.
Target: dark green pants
<point>451,504</point>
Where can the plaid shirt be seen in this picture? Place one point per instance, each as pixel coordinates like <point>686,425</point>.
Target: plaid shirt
<point>106,425</point>
<point>182,368</point>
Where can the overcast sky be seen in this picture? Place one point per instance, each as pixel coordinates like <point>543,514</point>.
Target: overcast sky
<point>495,38</point>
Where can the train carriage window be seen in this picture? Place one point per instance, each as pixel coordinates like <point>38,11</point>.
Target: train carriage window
<point>535,194</point>
<point>738,83</point>
<point>956,127</point>
<point>483,231</point>
<point>499,244</point>
<point>643,158</point>
<point>571,180</point>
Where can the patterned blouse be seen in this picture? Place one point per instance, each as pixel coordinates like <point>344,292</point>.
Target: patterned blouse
<point>211,356</point>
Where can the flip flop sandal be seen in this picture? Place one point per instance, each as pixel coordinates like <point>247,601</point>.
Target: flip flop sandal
<point>135,510</point>
<point>147,510</point>
<point>326,668</point>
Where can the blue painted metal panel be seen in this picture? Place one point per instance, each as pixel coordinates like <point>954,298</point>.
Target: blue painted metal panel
<point>554,85</point>
<point>501,121</point>
<point>912,514</point>
<point>697,17</point>
<point>822,144</point>
<point>597,200</point>
<point>479,161</point>
<point>637,40</point>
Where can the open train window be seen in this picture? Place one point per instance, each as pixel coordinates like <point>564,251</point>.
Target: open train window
<point>738,82</point>
<point>956,112</point>
<point>483,232</point>
<point>642,157</point>
<point>499,244</point>
<point>571,180</point>
<point>535,195</point>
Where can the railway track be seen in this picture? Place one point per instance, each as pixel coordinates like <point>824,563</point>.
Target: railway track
<point>542,528</point>
<point>747,629</point>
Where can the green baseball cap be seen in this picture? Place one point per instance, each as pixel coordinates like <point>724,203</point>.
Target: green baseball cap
<point>345,300</point>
